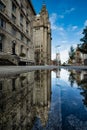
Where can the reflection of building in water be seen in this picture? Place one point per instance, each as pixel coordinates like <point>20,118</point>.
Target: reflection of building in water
<point>42,94</point>
<point>81,79</point>
<point>72,77</point>
<point>16,96</point>
<point>83,85</point>
<point>58,73</point>
<point>80,76</point>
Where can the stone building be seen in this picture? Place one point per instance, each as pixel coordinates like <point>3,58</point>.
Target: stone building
<point>80,58</point>
<point>16,45</point>
<point>58,61</point>
<point>42,37</point>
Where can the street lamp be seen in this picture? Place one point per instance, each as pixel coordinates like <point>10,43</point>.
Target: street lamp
<point>57,55</point>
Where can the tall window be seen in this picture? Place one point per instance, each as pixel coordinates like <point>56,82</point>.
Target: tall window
<point>1,85</point>
<point>27,26</point>
<point>21,18</point>
<point>14,47</point>
<point>1,43</point>
<point>13,31</point>
<point>2,23</point>
<point>2,6</point>
<point>28,41</point>
<point>21,37</point>
<point>21,48</point>
<point>13,18</point>
<point>21,25</point>
<point>13,7</point>
<point>13,85</point>
<point>21,21</point>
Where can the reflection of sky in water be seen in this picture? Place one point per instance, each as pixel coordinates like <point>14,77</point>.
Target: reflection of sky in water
<point>64,75</point>
<point>67,111</point>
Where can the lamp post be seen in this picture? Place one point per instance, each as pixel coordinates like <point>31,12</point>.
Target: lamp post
<point>57,55</point>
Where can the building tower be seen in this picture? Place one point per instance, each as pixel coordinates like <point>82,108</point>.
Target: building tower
<point>42,37</point>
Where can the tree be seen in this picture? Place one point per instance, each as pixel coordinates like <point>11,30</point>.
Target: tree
<point>83,47</point>
<point>72,53</point>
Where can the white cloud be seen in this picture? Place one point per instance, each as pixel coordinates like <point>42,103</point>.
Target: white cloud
<point>61,16</point>
<point>85,23</point>
<point>53,19</point>
<point>68,11</point>
<point>72,28</point>
<point>64,55</point>
<point>64,41</point>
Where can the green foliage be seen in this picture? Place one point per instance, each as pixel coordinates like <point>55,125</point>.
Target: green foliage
<point>22,54</point>
<point>72,53</point>
<point>83,47</point>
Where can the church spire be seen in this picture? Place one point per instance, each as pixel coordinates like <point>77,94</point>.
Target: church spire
<point>44,2</point>
<point>43,6</point>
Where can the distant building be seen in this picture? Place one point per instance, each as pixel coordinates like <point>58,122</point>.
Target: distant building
<point>42,37</point>
<point>58,59</point>
<point>16,43</point>
<point>80,58</point>
<point>85,59</point>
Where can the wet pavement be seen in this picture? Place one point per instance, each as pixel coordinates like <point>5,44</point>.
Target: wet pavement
<point>44,100</point>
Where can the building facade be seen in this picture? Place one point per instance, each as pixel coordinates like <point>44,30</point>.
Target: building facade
<point>42,37</point>
<point>16,36</point>
<point>80,58</point>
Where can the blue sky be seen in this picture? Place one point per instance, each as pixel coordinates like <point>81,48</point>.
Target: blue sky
<point>68,18</point>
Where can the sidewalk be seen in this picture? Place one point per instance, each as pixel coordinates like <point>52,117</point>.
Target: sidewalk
<point>14,70</point>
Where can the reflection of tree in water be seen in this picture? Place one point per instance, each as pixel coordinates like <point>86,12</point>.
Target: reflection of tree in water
<point>81,80</point>
<point>80,77</point>
<point>83,85</point>
<point>72,78</point>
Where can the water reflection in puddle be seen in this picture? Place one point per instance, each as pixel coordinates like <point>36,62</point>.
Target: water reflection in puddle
<point>44,100</point>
